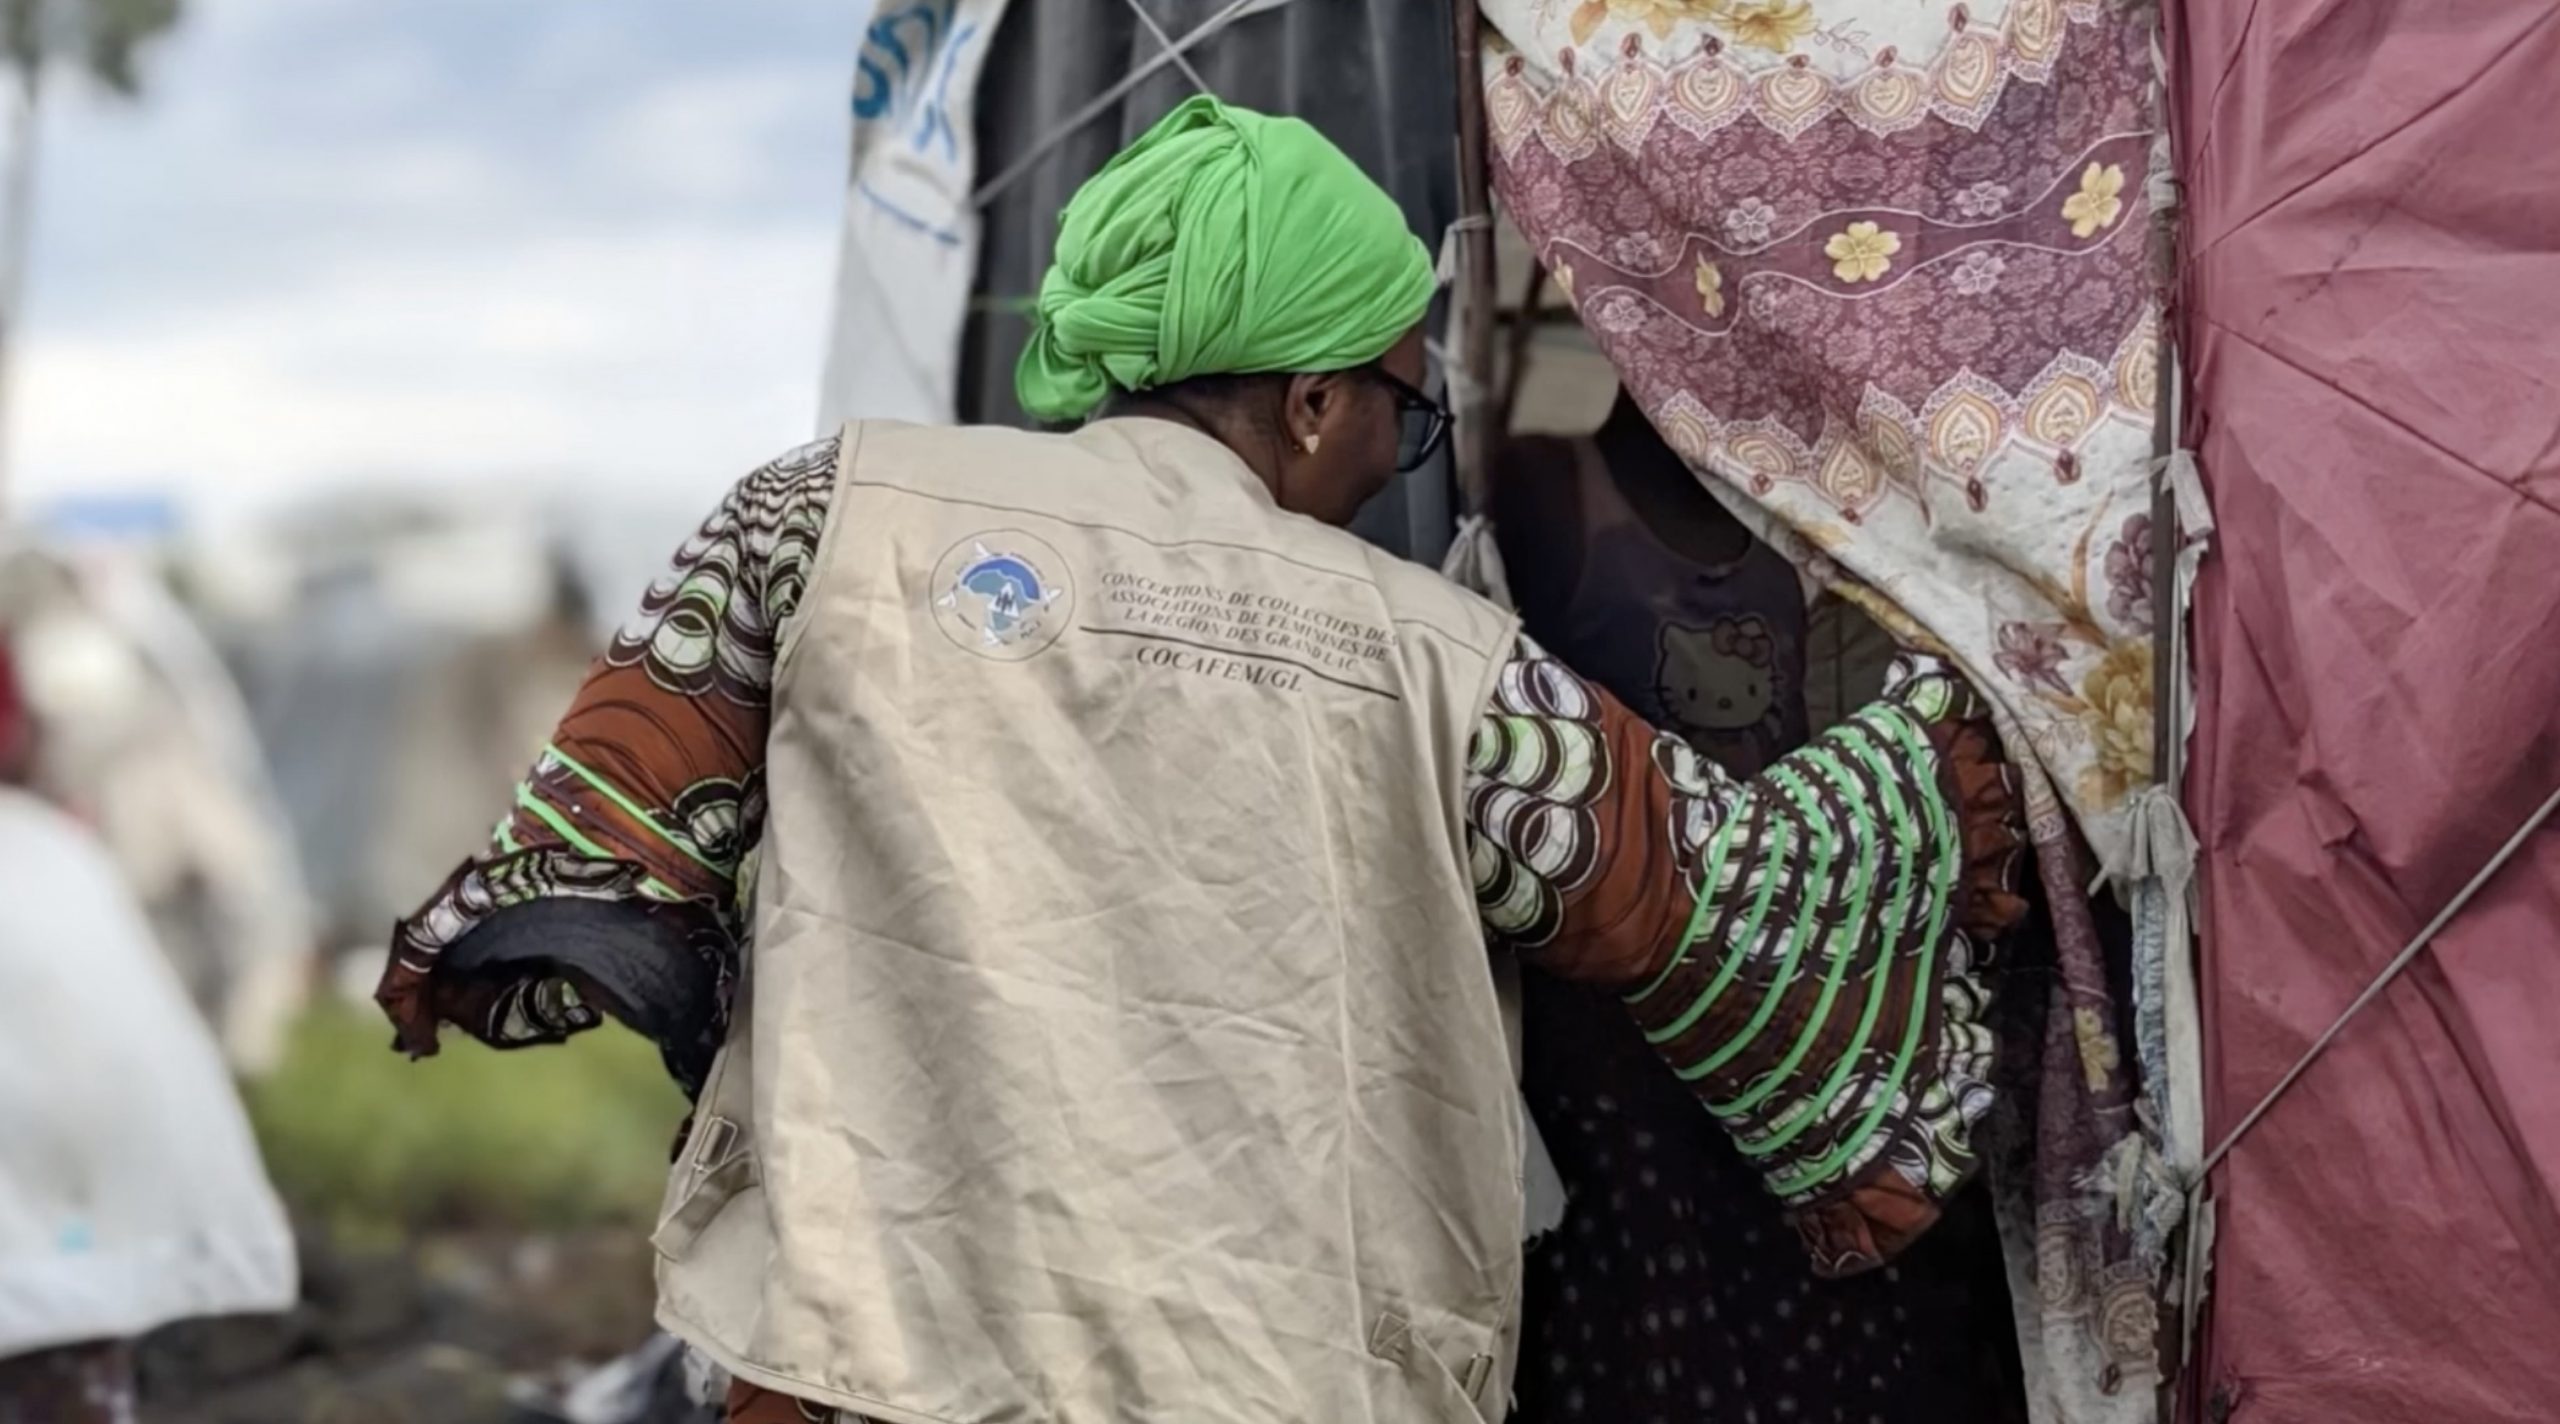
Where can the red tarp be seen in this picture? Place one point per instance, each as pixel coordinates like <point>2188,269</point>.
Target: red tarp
<point>2372,322</point>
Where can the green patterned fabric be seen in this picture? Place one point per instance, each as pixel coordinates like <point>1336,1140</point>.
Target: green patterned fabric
<point>1800,1001</point>
<point>1814,984</point>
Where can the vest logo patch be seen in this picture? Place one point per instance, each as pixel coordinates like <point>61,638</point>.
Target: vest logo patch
<point>1002,594</point>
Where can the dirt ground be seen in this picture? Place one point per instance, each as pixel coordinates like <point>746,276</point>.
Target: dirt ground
<point>431,1333</point>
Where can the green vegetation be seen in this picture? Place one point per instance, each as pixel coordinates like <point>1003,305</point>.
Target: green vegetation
<point>534,1139</point>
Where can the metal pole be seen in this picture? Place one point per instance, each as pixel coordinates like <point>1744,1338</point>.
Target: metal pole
<point>2166,643</point>
<point>1475,307</point>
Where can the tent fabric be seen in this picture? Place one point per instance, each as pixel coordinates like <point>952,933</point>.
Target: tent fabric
<point>138,725</point>
<point>2369,299</point>
<point>131,1194</point>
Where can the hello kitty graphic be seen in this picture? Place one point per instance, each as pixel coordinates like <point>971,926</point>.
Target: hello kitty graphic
<point>1718,685</point>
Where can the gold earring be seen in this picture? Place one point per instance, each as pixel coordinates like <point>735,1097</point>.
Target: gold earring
<point>1312,441</point>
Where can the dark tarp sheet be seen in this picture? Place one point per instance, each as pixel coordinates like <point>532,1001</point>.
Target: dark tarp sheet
<point>1376,76</point>
<point>2372,323</point>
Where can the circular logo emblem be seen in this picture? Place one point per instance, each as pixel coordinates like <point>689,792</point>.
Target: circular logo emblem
<point>1002,595</point>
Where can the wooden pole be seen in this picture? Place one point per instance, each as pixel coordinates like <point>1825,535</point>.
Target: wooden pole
<point>1475,307</point>
<point>1515,359</point>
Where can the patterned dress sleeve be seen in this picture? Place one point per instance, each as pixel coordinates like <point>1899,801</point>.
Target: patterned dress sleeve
<point>1800,947</point>
<point>631,842</point>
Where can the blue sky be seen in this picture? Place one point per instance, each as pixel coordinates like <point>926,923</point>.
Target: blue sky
<point>476,244</point>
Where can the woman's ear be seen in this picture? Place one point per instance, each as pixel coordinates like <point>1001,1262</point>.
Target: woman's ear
<point>1308,407</point>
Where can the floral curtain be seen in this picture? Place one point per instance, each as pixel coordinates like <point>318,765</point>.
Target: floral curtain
<point>1881,271</point>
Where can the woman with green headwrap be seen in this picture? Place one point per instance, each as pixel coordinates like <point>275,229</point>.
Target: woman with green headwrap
<point>1118,839</point>
<point>1235,272</point>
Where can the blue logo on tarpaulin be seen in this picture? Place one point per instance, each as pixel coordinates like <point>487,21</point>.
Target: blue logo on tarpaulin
<point>910,61</point>
<point>899,45</point>
<point>908,56</point>
<point>1002,594</point>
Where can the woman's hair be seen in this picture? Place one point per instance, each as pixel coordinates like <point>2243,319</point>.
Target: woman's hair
<point>1253,396</point>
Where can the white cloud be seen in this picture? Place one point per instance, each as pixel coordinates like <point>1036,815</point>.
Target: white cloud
<point>657,363</point>
<point>707,137</point>
<point>417,243</point>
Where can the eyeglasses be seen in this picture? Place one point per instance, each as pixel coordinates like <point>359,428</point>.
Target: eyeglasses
<point>1421,422</point>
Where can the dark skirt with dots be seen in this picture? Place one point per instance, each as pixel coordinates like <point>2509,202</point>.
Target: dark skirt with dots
<point>1676,1293</point>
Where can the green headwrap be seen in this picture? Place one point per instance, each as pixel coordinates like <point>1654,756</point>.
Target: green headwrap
<point>1223,242</point>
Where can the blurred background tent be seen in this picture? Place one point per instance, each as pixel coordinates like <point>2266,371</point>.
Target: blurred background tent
<point>140,731</point>
<point>411,701</point>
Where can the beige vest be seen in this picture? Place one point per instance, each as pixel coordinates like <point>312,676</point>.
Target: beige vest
<point>1119,1043</point>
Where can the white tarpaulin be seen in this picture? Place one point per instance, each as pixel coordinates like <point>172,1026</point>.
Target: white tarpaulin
<point>131,1194</point>
<point>910,248</point>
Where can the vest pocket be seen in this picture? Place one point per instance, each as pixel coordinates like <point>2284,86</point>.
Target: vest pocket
<point>1443,1395</point>
<point>717,1169</point>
